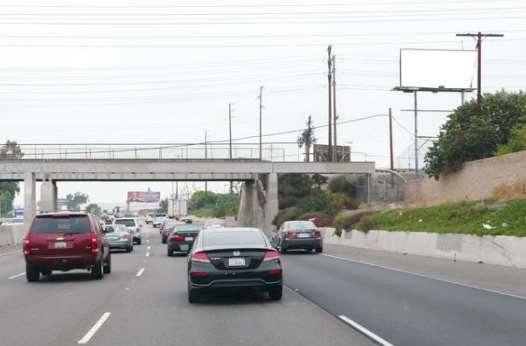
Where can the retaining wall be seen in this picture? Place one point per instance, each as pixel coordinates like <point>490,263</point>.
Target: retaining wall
<point>12,234</point>
<point>501,250</point>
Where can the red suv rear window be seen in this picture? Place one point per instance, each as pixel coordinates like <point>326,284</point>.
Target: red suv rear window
<point>61,224</point>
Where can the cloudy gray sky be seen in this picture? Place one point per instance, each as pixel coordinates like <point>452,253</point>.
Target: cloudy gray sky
<point>159,71</point>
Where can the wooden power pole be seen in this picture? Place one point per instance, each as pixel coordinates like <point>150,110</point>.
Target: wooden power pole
<point>479,35</point>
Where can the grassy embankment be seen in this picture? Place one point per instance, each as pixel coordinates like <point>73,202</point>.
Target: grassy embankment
<point>488,217</point>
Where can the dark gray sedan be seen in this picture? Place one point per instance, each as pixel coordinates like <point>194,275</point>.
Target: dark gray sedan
<point>182,238</point>
<point>119,237</point>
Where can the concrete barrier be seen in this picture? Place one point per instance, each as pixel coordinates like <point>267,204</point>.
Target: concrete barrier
<point>12,234</point>
<point>501,250</point>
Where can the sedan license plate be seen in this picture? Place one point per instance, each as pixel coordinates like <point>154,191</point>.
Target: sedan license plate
<point>60,245</point>
<point>236,262</point>
<point>304,235</point>
<point>184,247</point>
<point>189,238</point>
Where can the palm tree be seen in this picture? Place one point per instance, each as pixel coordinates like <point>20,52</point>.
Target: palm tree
<point>307,139</point>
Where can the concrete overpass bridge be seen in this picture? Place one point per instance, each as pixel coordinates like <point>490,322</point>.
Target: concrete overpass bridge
<point>259,195</point>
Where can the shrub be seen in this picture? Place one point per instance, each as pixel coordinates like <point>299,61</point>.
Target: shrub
<point>367,223</point>
<point>320,219</point>
<point>326,202</point>
<point>345,220</point>
<point>292,213</point>
<point>345,184</point>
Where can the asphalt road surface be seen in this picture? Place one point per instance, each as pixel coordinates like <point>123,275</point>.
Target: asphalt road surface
<point>143,302</point>
<point>408,309</point>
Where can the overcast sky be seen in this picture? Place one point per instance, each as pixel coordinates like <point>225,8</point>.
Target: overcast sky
<point>163,71</point>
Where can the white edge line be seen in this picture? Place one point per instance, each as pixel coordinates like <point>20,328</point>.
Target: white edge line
<point>365,331</point>
<point>86,338</point>
<point>16,276</point>
<point>11,253</point>
<point>428,277</point>
<point>139,273</point>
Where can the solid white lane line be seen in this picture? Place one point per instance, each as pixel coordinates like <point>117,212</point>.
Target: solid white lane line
<point>365,331</point>
<point>86,338</point>
<point>16,275</point>
<point>139,273</point>
<point>428,277</point>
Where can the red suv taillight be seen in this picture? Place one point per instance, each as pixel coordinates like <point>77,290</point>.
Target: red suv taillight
<point>27,244</point>
<point>290,234</point>
<point>176,237</point>
<point>271,255</point>
<point>200,257</point>
<point>94,243</point>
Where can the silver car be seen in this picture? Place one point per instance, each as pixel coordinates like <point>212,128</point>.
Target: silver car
<point>119,237</point>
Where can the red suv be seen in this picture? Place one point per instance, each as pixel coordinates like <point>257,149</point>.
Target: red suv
<point>65,241</point>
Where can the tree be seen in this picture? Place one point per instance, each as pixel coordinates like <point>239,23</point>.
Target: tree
<point>516,142</point>
<point>292,187</point>
<point>8,189</point>
<point>203,199</point>
<point>73,201</point>
<point>93,208</point>
<point>307,139</point>
<point>318,180</point>
<point>346,184</point>
<point>163,204</point>
<point>468,136</point>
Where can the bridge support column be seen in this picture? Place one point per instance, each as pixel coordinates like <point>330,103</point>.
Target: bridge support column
<point>259,203</point>
<point>48,196</point>
<point>30,208</point>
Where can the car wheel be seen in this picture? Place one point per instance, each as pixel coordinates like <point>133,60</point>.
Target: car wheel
<point>169,252</point>
<point>282,249</point>
<point>97,272</point>
<point>32,273</point>
<point>107,265</point>
<point>164,241</point>
<point>193,295</point>
<point>139,241</point>
<point>275,293</point>
<point>319,250</point>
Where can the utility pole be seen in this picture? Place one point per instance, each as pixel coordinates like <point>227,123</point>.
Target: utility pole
<point>230,138</point>
<point>335,115</point>
<point>391,157</point>
<point>329,77</point>
<point>479,35</point>
<point>230,131</point>
<point>260,122</point>
<point>206,157</point>
<point>416,132</point>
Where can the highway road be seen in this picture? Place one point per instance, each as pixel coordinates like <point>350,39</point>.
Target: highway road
<point>143,302</point>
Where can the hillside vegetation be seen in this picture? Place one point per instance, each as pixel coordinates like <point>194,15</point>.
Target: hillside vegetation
<point>488,217</point>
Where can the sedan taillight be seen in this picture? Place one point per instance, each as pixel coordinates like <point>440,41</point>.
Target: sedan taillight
<point>271,255</point>
<point>176,237</point>
<point>316,234</point>
<point>200,257</point>
<point>290,234</point>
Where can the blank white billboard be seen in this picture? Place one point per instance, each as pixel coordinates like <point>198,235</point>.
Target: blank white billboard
<point>433,68</point>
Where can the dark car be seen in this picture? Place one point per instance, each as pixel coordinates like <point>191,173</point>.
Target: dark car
<point>119,237</point>
<point>233,258</point>
<point>167,227</point>
<point>65,241</point>
<point>299,235</point>
<point>182,238</point>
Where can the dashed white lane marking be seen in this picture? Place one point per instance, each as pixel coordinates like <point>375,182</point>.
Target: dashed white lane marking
<point>148,248</point>
<point>10,253</point>
<point>86,338</point>
<point>427,277</point>
<point>16,275</point>
<point>139,273</point>
<point>147,254</point>
<point>365,331</point>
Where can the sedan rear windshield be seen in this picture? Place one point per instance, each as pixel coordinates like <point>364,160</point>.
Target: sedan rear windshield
<point>300,226</point>
<point>126,222</point>
<point>69,224</point>
<point>232,238</point>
